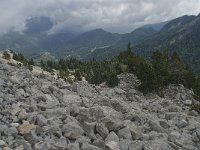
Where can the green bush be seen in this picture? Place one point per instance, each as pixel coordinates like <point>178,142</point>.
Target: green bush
<point>6,55</point>
<point>112,80</point>
<point>196,107</point>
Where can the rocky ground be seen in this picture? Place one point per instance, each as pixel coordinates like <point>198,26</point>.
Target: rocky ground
<point>38,112</point>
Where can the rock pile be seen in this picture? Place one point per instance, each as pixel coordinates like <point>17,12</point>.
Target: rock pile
<point>38,112</point>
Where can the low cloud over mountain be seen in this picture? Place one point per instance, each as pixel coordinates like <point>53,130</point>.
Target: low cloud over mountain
<point>79,15</point>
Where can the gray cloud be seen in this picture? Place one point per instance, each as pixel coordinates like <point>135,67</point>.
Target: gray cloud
<point>83,15</point>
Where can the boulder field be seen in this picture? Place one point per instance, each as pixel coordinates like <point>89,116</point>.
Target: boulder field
<point>38,112</point>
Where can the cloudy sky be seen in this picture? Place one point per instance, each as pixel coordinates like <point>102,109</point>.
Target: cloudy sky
<point>83,15</point>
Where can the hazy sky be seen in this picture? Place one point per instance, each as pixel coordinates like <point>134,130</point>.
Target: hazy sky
<point>112,15</point>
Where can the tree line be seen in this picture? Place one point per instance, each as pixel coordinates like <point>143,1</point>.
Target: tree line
<point>161,70</point>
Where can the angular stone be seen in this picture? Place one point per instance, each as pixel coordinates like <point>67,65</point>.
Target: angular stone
<point>164,124</point>
<point>22,115</point>
<point>32,138</point>
<point>83,139</point>
<point>86,146</point>
<point>198,133</point>
<point>135,130</point>
<point>183,123</point>
<point>72,130</point>
<point>169,116</point>
<point>73,146</point>
<point>112,137</point>
<point>125,133</point>
<point>2,143</point>
<point>44,146</point>
<point>112,145</point>
<point>174,109</point>
<point>12,131</point>
<point>174,135</point>
<point>89,129</point>
<point>41,120</point>
<point>188,102</point>
<point>15,124</point>
<point>156,127</point>
<point>26,127</point>
<point>136,145</point>
<point>26,145</point>
<point>102,130</point>
<point>72,99</point>
<point>99,143</point>
<point>156,145</point>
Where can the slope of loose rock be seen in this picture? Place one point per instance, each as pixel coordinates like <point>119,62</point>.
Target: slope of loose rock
<point>39,112</point>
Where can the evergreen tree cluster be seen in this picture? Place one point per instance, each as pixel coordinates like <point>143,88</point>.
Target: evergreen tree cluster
<point>6,55</point>
<point>28,63</point>
<point>163,69</point>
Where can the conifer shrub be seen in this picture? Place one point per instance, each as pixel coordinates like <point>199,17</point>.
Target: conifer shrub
<point>112,80</point>
<point>196,107</point>
<point>6,55</point>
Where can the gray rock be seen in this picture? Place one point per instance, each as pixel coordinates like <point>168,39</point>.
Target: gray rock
<point>86,146</point>
<point>112,137</point>
<point>72,99</point>
<point>89,129</point>
<point>174,135</point>
<point>26,145</point>
<point>198,133</point>
<point>116,103</point>
<point>61,143</point>
<point>44,146</point>
<point>174,109</point>
<point>41,120</point>
<point>73,146</point>
<point>2,143</point>
<point>155,126</point>
<point>156,145</point>
<point>135,130</point>
<point>112,145</point>
<point>169,116</point>
<point>32,138</point>
<point>188,102</point>
<point>83,139</point>
<point>183,123</point>
<point>12,131</point>
<point>72,130</point>
<point>99,143</point>
<point>102,130</point>
<point>195,137</point>
<point>15,124</point>
<point>124,144</point>
<point>125,133</point>
<point>164,124</point>
<point>136,145</point>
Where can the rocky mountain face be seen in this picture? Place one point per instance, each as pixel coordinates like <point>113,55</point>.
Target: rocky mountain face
<point>39,112</point>
<point>180,35</point>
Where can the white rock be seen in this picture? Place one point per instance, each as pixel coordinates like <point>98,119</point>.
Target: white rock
<point>188,102</point>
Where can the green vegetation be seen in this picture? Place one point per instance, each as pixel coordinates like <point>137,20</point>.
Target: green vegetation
<point>6,55</point>
<point>196,108</point>
<point>23,60</point>
<point>155,74</point>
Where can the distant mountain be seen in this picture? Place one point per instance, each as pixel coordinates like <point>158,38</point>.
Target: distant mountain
<point>86,43</point>
<point>136,37</point>
<point>181,35</point>
<point>156,26</point>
